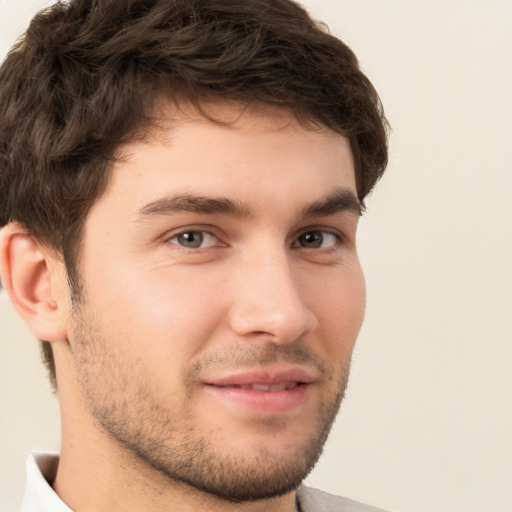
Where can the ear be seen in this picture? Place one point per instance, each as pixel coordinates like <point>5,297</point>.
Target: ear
<point>36,283</point>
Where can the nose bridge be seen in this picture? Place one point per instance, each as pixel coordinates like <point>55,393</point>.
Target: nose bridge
<point>268,299</point>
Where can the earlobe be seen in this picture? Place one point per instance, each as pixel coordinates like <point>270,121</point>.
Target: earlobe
<point>30,277</point>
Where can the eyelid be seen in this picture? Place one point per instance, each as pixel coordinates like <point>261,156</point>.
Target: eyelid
<point>206,241</point>
<point>206,229</point>
<point>339,235</point>
<point>218,235</point>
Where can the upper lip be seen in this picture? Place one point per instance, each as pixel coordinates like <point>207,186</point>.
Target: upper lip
<point>265,375</point>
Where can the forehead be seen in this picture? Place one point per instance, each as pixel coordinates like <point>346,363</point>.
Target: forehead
<point>240,154</point>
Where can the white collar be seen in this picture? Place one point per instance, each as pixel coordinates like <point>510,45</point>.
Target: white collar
<point>39,495</point>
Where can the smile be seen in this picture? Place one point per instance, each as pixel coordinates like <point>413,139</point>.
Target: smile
<point>260,392</point>
<point>281,386</point>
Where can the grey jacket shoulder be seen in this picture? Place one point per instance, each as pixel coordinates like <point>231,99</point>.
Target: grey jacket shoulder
<point>313,500</point>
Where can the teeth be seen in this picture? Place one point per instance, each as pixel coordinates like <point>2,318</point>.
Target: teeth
<point>278,387</point>
<point>261,387</point>
<point>281,386</point>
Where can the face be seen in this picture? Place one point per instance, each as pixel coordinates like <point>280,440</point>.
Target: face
<point>221,299</point>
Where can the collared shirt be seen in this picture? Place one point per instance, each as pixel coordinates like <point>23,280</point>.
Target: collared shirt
<point>40,497</point>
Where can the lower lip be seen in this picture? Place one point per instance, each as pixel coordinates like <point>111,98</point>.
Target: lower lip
<point>263,402</point>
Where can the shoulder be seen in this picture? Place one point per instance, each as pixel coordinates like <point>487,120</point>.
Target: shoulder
<point>313,500</point>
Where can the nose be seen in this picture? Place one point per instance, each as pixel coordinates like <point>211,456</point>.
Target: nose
<point>267,300</point>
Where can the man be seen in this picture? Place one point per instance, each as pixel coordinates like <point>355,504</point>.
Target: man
<point>181,187</point>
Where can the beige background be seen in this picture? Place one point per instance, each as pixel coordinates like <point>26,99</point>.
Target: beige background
<point>427,423</point>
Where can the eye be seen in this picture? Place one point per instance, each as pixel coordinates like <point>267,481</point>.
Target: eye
<point>317,239</point>
<point>194,239</point>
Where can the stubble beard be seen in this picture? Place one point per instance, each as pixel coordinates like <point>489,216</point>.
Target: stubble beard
<point>128,409</point>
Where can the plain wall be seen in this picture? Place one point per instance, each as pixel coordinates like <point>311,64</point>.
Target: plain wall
<point>427,422</point>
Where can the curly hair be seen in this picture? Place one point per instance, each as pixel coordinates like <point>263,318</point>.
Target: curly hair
<point>84,77</point>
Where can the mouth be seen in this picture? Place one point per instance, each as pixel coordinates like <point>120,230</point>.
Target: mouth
<point>281,386</point>
<point>264,392</point>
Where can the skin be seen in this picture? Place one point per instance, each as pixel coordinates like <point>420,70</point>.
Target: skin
<point>272,289</point>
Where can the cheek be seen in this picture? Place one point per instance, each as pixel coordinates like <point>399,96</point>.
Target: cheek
<point>162,317</point>
<point>352,298</point>
<point>339,307</point>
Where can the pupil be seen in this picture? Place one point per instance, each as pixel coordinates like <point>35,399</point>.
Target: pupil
<point>313,239</point>
<point>191,240</point>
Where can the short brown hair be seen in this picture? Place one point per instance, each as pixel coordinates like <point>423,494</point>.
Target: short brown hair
<point>84,77</point>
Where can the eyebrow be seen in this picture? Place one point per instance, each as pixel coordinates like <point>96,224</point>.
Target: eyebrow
<point>336,202</point>
<point>196,204</point>
<point>341,200</point>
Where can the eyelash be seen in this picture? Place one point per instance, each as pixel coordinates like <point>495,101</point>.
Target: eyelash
<point>339,238</point>
<point>202,232</point>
